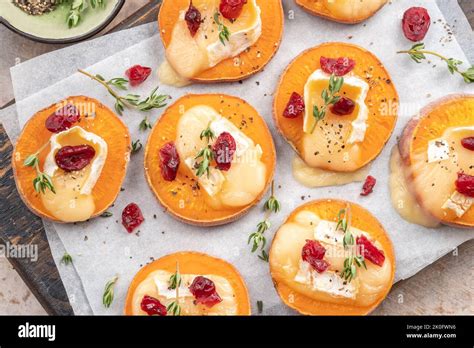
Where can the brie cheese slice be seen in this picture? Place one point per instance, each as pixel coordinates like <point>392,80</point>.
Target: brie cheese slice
<point>438,150</point>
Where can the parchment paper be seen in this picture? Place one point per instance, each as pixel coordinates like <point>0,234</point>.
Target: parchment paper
<point>109,250</point>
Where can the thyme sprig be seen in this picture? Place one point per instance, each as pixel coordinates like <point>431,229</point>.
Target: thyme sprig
<point>42,181</point>
<point>136,146</point>
<point>418,53</point>
<point>224,32</point>
<point>153,101</point>
<point>257,238</point>
<point>66,259</point>
<point>349,272</point>
<point>329,98</point>
<point>175,282</point>
<point>108,296</point>
<point>78,7</point>
<point>205,154</point>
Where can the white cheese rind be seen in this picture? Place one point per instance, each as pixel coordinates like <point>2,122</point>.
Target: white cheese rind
<point>50,166</point>
<point>163,289</point>
<point>459,203</point>
<point>212,183</point>
<point>328,282</point>
<point>438,150</point>
<point>238,42</point>
<point>359,125</point>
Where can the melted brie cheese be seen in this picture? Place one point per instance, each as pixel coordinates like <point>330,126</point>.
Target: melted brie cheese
<point>157,285</point>
<point>189,56</point>
<point>328,286</point>
<point>438,150</point>
<point>246,178</point>
<point>312,96</point>
<point>73,200</point>
<point>459,203</point>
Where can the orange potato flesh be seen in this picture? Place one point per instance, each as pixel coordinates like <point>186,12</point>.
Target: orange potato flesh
<point>180,197</point>
<point>105,124</point>
<point>294,296</point>
<point>251,60</point>
<point>382,102</point>
<point>193,263</point>
<point>433,183</point>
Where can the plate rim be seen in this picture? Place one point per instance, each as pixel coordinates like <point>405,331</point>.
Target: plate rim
<point>73,39</point>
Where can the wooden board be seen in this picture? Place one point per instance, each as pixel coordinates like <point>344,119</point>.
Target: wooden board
<point>444,287</point>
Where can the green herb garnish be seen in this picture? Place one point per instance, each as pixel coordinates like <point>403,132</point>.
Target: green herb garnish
<point>108,296</point>
<point>418,53</point>
<point>136,146</point>
<point>66,259</point>
<point>224,32</point>
<point>42,181</point>
<point>175,282</point>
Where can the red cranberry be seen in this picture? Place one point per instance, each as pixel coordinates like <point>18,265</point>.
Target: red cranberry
<point>368,187</point>
<point>152,306</point>
<point>71,158</point>
<point>345,106</point>
<point>295,106</point>
<point>313,253</point>
<point>62,119</point>
<point>231,9</point>
<point>223,150</point>
<point>204,291</point>
<point>137,74</point>
<point>370,251</point>
<point>465,184</point>
<point>132,217</point>
<point>193,19</point>
<point>468,143</point>
<point>337,66</point>
<point>416,22</point>
<point>169,161</point>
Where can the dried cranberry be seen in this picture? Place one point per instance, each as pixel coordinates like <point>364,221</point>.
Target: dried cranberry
<point>169,161</point>
<point>71,158</point>
<point>204,291</point>
<point>339,67</point>
<point>295,106</point>
<point>368,187</point>
<point>137,74</point>
<point>345,106</point>
<point>132,217</point>
<point>468,143</point>
<point>152,306</point>
<point>193,19</point>
<point>231,9</point>
<point>62,119</point>
<point>223,150</point>
<point>313,253</point>
<point>370,251</point>
<point>416,22</point>
<point>465,184</point>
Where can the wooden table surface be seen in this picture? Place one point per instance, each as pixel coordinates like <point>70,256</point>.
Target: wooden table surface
<point>445,287</point>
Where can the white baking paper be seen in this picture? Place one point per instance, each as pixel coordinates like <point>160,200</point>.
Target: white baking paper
<point>101,248</point>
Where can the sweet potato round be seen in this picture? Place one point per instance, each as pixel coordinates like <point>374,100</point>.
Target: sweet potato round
<point>252,60</point>
<point>191,262</point>
<point>327,209</point>
<point>173,194</point>
<point>105,124</point>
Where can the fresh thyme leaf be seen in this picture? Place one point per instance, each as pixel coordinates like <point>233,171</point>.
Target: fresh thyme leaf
<point>206,155</point>
<point>145,125</point>
<point>257,238</point>
<point>174,283</point>
<point>329,97</point>
<point>42,181</point>
<point>154,101</point>
<point>136,146</point>
<point>264,256</point>
<point>106,214</point>
<point>418,53</point>
<point>208,134</point>
<point>272,204</point>
<point>224,33</point>
<point>118,82</point>
<point>66,259</point>
<point>77,8</point>
<point>108,296</point>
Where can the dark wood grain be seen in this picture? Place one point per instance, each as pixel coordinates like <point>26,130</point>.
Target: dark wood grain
<point>423,294</point>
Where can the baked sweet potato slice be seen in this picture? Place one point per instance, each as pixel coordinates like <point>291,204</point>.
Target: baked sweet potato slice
<point>344,11</point>
<point>189,263</point>
<point>251,60</point>
<point>100,121</point>
<point>182,198</point>
<point>285,255</point>
<point>330,150</point>
<point>445,123</point>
